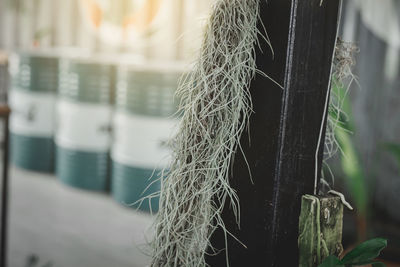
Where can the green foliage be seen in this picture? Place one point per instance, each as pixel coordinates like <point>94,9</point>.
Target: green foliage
<point>349,157</point>
<point>363,254</point>
<point>353,171</point>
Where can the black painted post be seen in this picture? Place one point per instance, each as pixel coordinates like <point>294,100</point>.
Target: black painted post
<point>4,193</point>
<point>4,114</point>
<point>284,132</point>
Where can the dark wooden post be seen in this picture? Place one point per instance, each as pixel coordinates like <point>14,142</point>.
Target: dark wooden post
<point>4,114</point>
<point>284,133</point>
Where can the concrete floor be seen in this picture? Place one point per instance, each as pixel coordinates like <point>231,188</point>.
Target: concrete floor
<point>72,228</point>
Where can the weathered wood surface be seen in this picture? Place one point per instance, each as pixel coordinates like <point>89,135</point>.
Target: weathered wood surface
<point>320,229</point>
<point>284,134</point>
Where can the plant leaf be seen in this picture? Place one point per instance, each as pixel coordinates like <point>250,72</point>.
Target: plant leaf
<point>331,261</point>
<point>352,168</point>
<point>350,160</point>
<point>372,263</point>
<point>378,264</point>
<point>365,252</point>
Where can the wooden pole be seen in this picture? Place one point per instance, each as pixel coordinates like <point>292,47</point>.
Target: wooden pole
<point>285,130</point>
<point>4,195</point>
<point>4,114</point>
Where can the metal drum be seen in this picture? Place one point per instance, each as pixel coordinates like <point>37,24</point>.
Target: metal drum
<point>143,122</point>
<point>84,117</point>
<point>32,96</point>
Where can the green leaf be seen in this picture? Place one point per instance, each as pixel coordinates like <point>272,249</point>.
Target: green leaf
<point>372,263</point>
<point>378,264</point>
<point>331,261</point>
<point>365,252</point>
<point>350,159</point>
<point>352,168</point>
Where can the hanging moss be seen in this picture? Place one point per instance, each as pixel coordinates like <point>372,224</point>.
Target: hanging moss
<point>216,106</point>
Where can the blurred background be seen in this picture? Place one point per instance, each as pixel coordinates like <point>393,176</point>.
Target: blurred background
<point>91,86</point>
<point>369,169</point>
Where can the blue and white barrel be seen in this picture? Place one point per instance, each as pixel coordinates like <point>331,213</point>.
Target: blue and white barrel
<point>144,121</point>
<point>84,114</point>
<point>32,97</point>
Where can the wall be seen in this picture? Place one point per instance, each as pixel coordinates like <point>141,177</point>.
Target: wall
<point>157,29</point>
